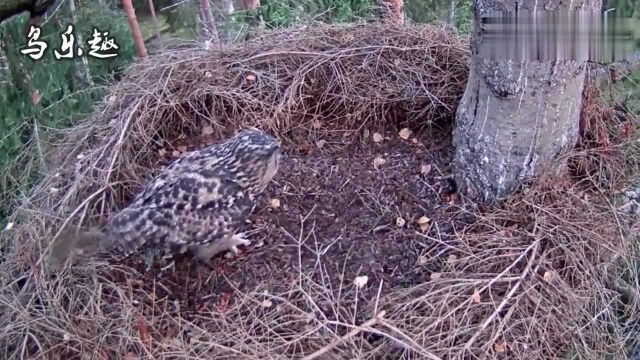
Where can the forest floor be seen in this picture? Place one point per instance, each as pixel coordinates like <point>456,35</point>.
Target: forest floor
<point>385,210</point>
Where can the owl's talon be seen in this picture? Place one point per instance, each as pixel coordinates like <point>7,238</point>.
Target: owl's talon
<point>241,239</point>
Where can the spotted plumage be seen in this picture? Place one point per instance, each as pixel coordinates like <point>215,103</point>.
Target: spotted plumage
<point>199,202</point>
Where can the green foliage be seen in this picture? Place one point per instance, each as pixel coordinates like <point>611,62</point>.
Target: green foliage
<point>102,18</point>
<point>623,8</point>
<point>456,13</point>
<point>463,19</point>
<point>182,18</point>
<point>277,13</point>
<point>61,103</point>
<point>285,13</point>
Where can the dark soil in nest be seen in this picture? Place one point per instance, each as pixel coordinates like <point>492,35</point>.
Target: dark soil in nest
<point>338,211</point>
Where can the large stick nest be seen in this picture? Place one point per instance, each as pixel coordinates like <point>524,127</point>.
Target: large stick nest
<point>540,276</point>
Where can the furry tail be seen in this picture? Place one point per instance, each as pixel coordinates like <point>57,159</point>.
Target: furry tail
<point>74,242</point>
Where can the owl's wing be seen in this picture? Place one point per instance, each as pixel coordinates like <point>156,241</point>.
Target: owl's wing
<point>195,207</point>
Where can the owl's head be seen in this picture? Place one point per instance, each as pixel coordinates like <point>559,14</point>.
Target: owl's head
<point>255,157</point>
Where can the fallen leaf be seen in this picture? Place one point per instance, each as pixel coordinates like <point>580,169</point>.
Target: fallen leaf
<point>361,281</point>
<point>35,97</point>
<point>425,169</point>
<point>379,161</point>
<point>320,143</point>
<point>499,346</point>
<point>275,203</point>
<point>182,148</point>
<point>251,77</point>
<point>476,296</point>
<point>207,130</point>
<point>224,302</point>
<point>405,133</point>
<point>9,226</point>
<point>548,276</point>
<point>423,223</point>
<point>436,276</point>
<point>377,137</point>
<point>400,222</point>
<point>176,153</point>
<point>143,331</point>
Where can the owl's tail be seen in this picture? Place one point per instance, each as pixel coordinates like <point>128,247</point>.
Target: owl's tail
<point>74,243</point>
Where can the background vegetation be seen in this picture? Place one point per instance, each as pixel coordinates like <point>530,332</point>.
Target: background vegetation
<point>66,94</point>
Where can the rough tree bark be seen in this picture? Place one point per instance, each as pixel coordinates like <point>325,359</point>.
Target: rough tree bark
<point>515,117</point>
<point>80,74</point>
<point>209,27</point>
<point>250,4</point>
<point>20,75</point>
<point>135,29</point>
<point>156,24</point>
<point>393,11</point>
<point>227,7</point>
<point>252,7</point>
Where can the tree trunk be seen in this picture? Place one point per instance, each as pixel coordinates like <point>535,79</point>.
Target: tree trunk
<point>393,11</point>
<point>250,4</point>
<point>227,7</point>
<point>209,24</point>
<point>81,76</point>
<point>20,75</point>
<point>36,9</point>
<point>9,8</point>
<point>515,117</point>
<point>252,7</point>
<point>135,29</point>
<point>156,24</point>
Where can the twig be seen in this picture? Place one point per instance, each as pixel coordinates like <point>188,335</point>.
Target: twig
<point>504,302</point>
<point>369,323</point>
<point>485,287</point>
<point>411,342</point>
<point>118,145</point>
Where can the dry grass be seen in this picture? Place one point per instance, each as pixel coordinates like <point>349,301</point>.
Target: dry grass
<point>531,278</point>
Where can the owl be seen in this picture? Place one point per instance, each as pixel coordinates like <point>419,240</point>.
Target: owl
<point>197,204</point>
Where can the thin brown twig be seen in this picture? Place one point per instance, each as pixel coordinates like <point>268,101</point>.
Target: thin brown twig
<point>363,327</point>
<point>506,299</point>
